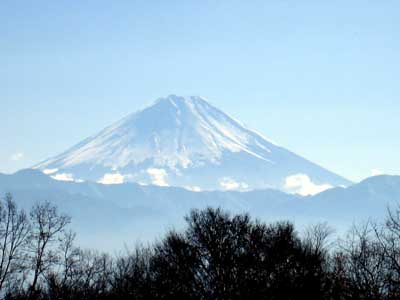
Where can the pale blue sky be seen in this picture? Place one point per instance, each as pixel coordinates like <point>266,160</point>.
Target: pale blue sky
<point>319,77</point>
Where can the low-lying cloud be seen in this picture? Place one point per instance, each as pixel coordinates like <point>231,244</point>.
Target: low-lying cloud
<point>50,171</point>
<point>65,177</point>
<point>158,176</point>
<point>302,184</point>
<point>229,184</point>
<point>376,172</point>
<point>193,188</point>
<point>112,178</point>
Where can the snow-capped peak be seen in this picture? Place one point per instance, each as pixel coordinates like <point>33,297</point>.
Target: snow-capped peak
<point>190,141</point>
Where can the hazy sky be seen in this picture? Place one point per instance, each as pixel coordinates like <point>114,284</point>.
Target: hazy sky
<point>319,77</point>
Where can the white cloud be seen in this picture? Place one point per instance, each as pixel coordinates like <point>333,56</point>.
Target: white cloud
<point>230,184</point>
<point>63,177</point>
<point>112,178</point>
<point>302,184</point>
<point>50,171</point>
<point>17,156</point>
<point>193,188</point>
<point>376,172</point>
<point>158,176</point>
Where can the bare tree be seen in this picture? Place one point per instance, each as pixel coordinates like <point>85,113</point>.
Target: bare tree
<point>365,263</point>
<point>47,226</point>
<point>317,237</point>
<point>14,230</point>
<point>388,238</point>
<point>131,275</point>
<point>70,257</point>
<point>61,277</point>
<point>92,274</point>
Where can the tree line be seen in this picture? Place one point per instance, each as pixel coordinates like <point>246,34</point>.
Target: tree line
<point>217,256</point>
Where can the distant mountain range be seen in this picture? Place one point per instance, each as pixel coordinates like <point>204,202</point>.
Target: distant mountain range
<point>186,142</point>
<point>106,216</point>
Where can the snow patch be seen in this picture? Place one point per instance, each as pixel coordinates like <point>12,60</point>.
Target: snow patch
<point>302,184</point>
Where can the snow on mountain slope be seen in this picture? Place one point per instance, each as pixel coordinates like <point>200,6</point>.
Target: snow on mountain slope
<point>185,141</point>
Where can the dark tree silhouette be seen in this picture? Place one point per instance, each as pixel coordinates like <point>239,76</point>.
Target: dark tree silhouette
<point>217,256</point>
<point>225,257</point>
<point>47,226</point>
<point>14,230</point>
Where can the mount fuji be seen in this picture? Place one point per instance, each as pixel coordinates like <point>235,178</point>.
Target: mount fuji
<point>187,142</point>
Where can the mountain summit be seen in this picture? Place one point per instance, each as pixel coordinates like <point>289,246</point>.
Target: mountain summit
<point>185,141</point>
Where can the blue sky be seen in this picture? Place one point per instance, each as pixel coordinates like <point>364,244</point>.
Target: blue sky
<point>319,77</point>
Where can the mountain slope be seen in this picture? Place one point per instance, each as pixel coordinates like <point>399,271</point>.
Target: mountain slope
<point>189,143</point>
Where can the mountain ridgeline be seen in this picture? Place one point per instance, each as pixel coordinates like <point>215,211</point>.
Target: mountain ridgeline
<point>107,216</point>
